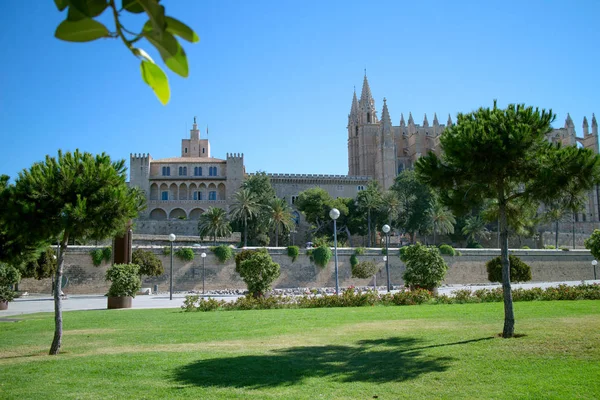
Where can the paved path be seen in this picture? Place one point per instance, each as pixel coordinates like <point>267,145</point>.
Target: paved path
<point>34,304</point>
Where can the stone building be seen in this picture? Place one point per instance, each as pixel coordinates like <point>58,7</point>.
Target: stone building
<point>380,150</point>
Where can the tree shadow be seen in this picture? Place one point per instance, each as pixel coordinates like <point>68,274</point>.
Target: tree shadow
<point>394,359</point>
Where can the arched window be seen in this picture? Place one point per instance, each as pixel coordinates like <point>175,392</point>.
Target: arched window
<point>164,195</point>
<point>368,118</point>
<point>185,171</point>
<point>197,171</point>
<point>212,195</point>
<point>166,171</point>
<point>186,150</point>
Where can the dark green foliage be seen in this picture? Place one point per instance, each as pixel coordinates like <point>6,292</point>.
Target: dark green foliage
<point>321,255</point>
<point>369,200</point>
<point>293,251</point>
<point>214,223</point>
<point>353,260</point>
<point>261,191</point>
<point>262,239</point>
<point>364,269</point>
<point>407,297</point>
<point>415,198</point>
<point>258,271</point>
<point>525,247</point>
<point>125,280</point>
<point>519,271</point>
<point>359,251</point>
<point>222,252</point>
<point>149,264</point>
<point>41,268</point>
<point>474,245</point>
<point>447,250</point>
<point>184,254</point>
<point>99,255</point>
<point>160,31</point>
<point>241,256</point>
<point>425,267</point>
<point>9,276</point>
<point>593,244</point>
<point>166,251</point>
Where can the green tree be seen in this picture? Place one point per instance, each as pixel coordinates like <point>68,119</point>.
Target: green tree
<point>475,229</point>
<point>149,264</point>
<point>390,206</point>
<point>160,31</point>
<point>441,218</point>
<point>280,217</point>
<point>74,195</point>
<point>257,269</point>
<point>245,206</point>
<point>425,267</point>
<point>258,227</point>
<point>415,198</point>
<point>503,154</point>
<point>214,223</point>
<point>368,201</point>
<point>315,204</point>
<point>593,244</point>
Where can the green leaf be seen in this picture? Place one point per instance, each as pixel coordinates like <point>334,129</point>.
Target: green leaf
<point>170,51</point>
<point>84,30</point>
<point>156,13</point>
<point>80,9</point>
<point>180,29</point>
<point>132,6</point>
<point>61,4</point>
<point>157,80</point>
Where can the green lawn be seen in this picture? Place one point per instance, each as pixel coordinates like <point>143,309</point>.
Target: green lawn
<point>431,351</point>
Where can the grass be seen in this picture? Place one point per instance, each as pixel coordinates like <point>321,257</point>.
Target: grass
<point>441,351</point>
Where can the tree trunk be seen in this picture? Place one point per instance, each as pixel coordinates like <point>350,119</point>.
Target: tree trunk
<point>276,235</point>
<point>556,235</point>
<point>245,232</point>
<point>349,236</point>
<point>509,316</point>
<point>58,330</point>
<point>434,236</point>
<point>369,224</point>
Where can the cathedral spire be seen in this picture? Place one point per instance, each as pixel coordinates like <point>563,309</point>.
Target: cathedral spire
<point>354,108</point>
<point>435,120</point>
<point>569,122</point>
<point>586,127</point>
<point>410,119</point>
<point>594,125</point>
<point>365,97</point>
<point>425,122</point>
<point>385,115</point>
<point>402,123</point>
<point>449,123</point>
<point>366,104</point>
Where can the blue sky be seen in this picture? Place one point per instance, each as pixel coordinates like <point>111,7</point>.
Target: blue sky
<point>274,79</point>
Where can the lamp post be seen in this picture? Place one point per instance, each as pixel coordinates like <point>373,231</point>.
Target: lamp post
<point>594,263</point>
<point>172,238</point>
<point>334,214</point>
<point>386,230</point>
<point>203,255</point>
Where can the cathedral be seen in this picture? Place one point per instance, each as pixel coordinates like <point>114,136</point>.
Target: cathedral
<point>380,150</point>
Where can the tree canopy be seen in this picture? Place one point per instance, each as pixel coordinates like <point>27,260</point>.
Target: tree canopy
<point>504,155</point>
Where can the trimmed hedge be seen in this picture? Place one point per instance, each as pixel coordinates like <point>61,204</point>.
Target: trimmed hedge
<point>447,250</point>
<point>293,251</point>
<point>222,252</point>
<point>321,255</point>
<point>519,271</point>
<point>184,254</point>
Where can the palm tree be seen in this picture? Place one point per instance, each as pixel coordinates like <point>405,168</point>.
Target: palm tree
<point>245,206</point>
<point>280,215</point>
<point>475,228</point>
<point>441,219</point>
<point>390,205</point>
<point>369,199</point>
<point>214,223</point>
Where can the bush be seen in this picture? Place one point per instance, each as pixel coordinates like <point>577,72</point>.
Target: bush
<point>166,251</point>
<point>321,255</point>
<point>222,252</point>
<point>125,280</point>
<point>262,239</point>
<point>474,245</point>
<point>9,276</point>
<point>353,260</point>
<point>241,256</point>
<point>526,248</point>
<point>363,270</point>
<point>359,251</point>
<point>564,248</point>
<point>425,267</point>
<point>258,272</point>
<point>407,297</point>
<point>549,247</point>
<point>593,244</point>
<point>149,264</point>
<point>41,268</point>
<point>293,251</point>
<point>519,271</point>
<point>99,255</point>
<point>184,254</point>
<point>448,250</point>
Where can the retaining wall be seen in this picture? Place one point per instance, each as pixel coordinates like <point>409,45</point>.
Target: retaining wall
<point>468,268</point>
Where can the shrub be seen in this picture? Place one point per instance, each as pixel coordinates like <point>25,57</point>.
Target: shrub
<point>9,276</point>
<point>474,245</point>
<point>489,295</point>
<point>464,296</point>
<point>41,268</point>
<point>184,254</point>
<point>425,267</point>
<point>519,271</point>
<point>149,264</point>
<point>258,272</point>
<point>564,248</point>
<point>383,251</point>
<point>125,280</point>
<point>549,247</point>
<point>321,255</point>
<point>526,247</point>
<point>99,255</point>
<point>241,256</point>
<point>359,251</point>
<point>448,250</point>
<point>166,251</point>
<point>293,251</point>
<point>353,260</point>
<point>222,252</point>
<point>407,297</point>
<point>593,243</point>
<point>322,241</point>
<point>262,239</point>
<point>363,270</point>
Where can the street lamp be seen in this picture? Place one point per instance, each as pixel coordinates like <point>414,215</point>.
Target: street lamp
<point>334,214</point>
<point>386,230</point>
<point>172,238</point>
<point>203,255</point>
<point>594,263</point>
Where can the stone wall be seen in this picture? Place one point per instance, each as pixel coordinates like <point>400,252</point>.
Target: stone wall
<point>468,268</point>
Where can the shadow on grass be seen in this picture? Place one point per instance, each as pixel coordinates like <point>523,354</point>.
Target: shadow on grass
<point>383,360</point>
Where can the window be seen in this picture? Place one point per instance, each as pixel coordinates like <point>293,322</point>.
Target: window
<point>368,118</point>
<point>186,150</point>
<point>356,131</point>
<point>203,150</point>
<point>166,171</point>
<point>182,171</point>
<point>294,199</point>
<point>360,187</point>
<point>164,195</point>
<point>197,171</point>
<point>197,195</point>
<point>212,171</point>
<point>212,195</point>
